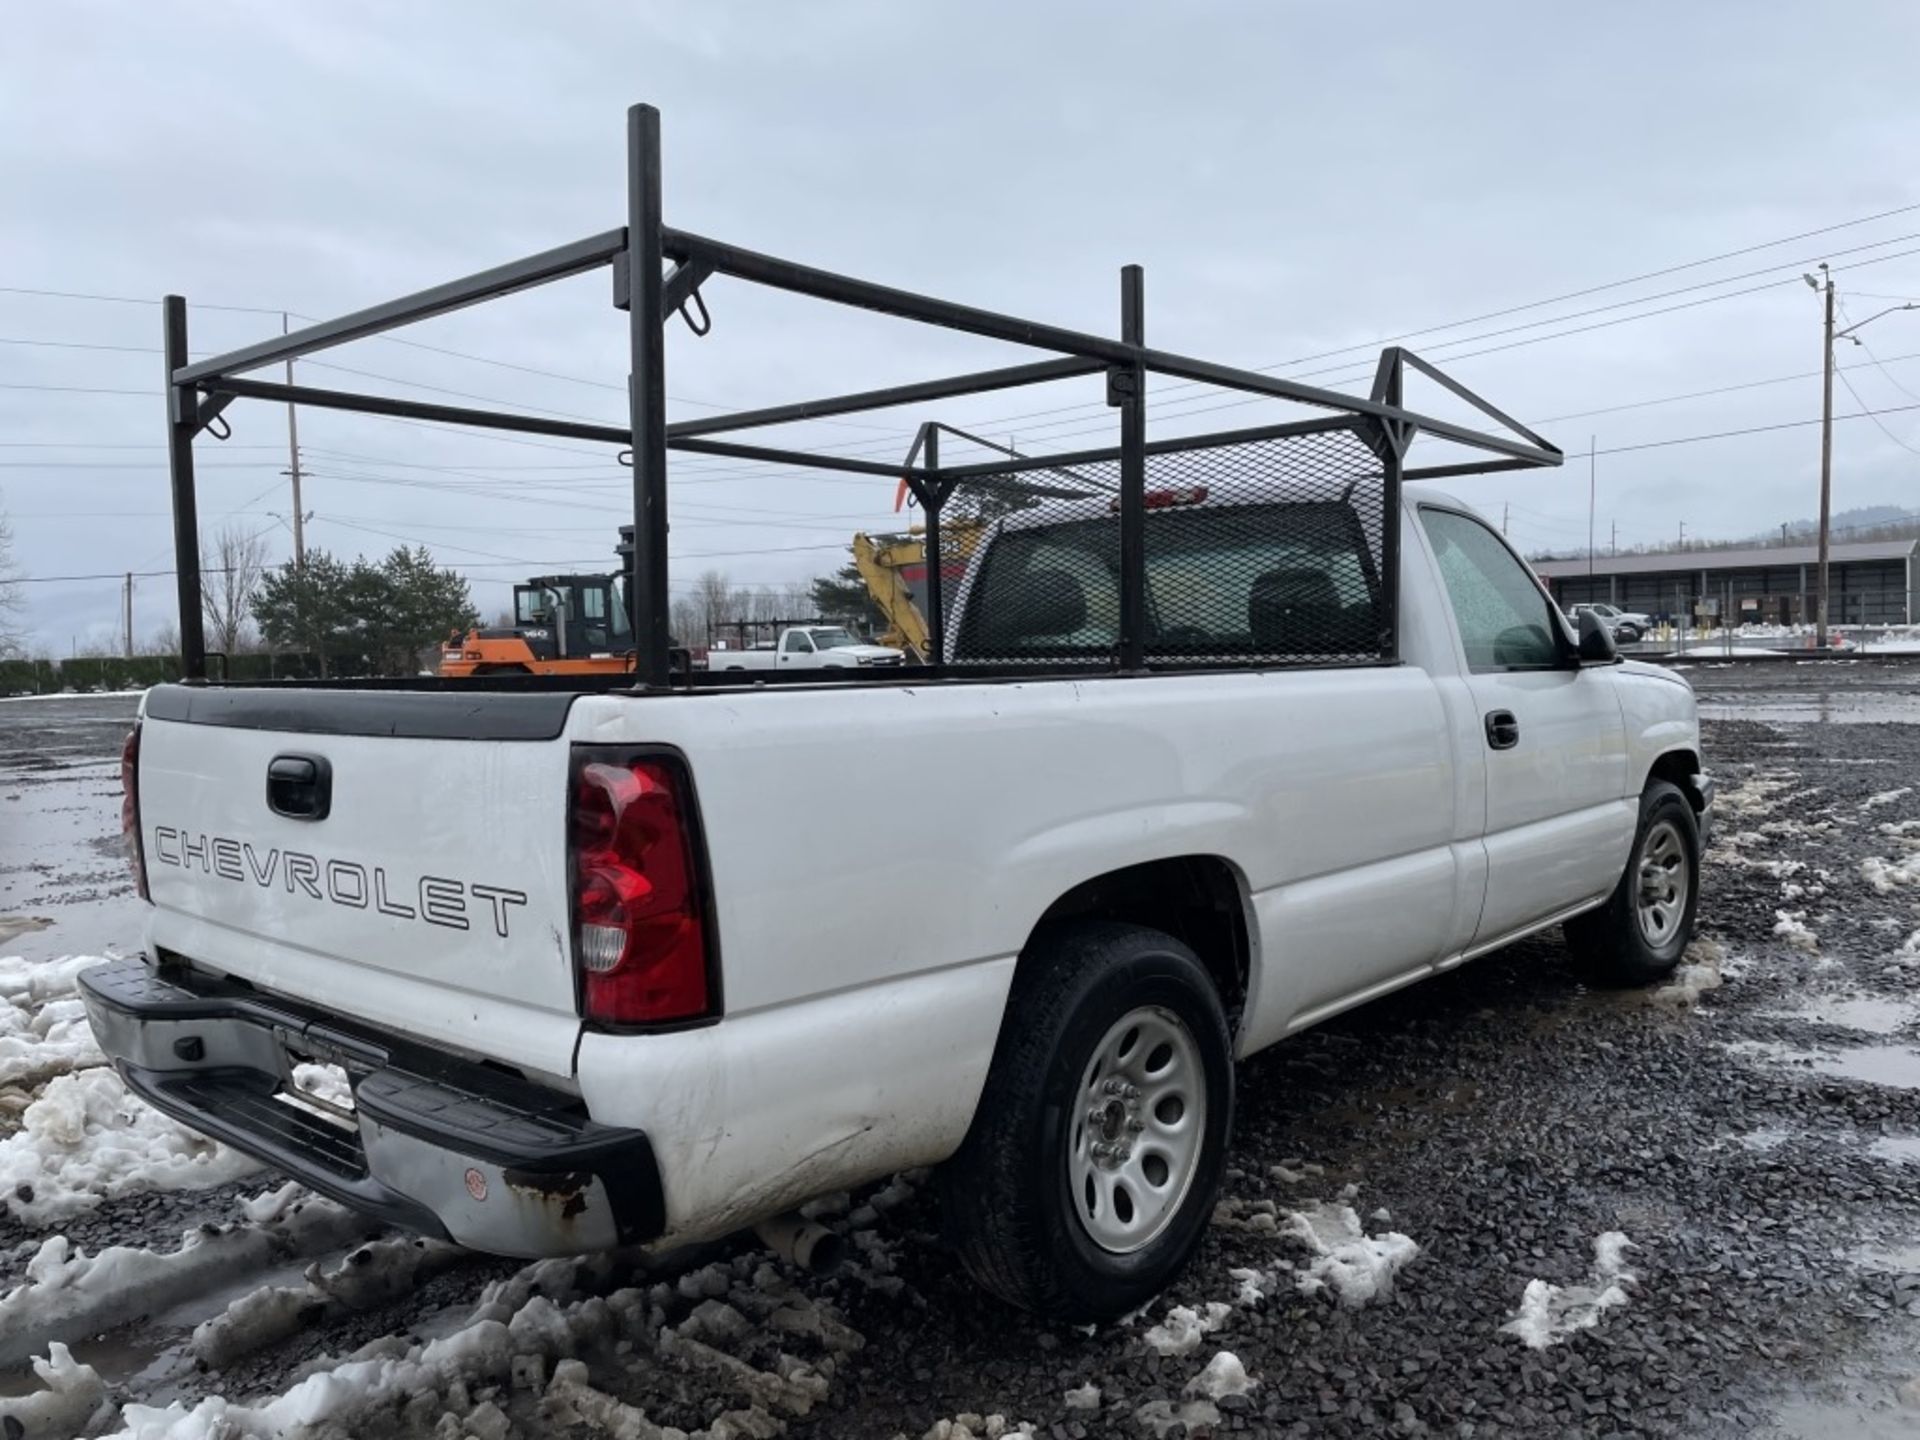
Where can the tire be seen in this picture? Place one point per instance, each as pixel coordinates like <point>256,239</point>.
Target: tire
<point>1015,1195</point>
<point>1628,634</point>
<point>1636,938</point>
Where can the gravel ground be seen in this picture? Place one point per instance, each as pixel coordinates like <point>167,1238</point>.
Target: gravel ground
<point>1755,1140</point>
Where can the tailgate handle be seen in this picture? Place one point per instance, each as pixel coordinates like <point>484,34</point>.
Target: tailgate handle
<point>300,786</point>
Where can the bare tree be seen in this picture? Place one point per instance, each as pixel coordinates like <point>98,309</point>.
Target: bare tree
<point>712,603</point>
<point>797,599</point>
<point>13,605</point>
<point>230,582</point>
<point>165,640</point>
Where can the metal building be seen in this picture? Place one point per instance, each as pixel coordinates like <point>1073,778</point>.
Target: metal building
<point>1871,582</point>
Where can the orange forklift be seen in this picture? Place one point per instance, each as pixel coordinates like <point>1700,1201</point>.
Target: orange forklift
<point>562,625</point>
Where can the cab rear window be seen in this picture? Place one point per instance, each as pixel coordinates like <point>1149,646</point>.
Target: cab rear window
<point>1249,583</point>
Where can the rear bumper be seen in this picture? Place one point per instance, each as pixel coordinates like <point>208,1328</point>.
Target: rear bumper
<point>434,1143</point>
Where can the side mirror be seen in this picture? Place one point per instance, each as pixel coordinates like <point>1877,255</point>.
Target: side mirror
<point>1596,640</point>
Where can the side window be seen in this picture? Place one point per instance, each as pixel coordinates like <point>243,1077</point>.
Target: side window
<point>797,642</point>
<point>1503,617</point>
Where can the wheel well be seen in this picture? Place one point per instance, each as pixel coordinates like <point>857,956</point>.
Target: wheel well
<point>1195,898</point>
<point>1677,768</point>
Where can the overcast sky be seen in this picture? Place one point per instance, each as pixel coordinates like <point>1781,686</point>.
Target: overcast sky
<point>1296,180</point>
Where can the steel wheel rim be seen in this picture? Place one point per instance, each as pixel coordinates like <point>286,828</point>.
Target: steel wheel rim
<point>1138,1124</point>
<point>1661,884</point>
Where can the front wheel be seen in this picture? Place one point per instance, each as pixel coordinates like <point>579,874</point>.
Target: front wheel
<point>1091,1168</point>
<point>1639,935</point>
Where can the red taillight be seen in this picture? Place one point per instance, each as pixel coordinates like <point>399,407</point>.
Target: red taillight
<point>640,924</point>
<point>1162,499</point>
<point>130,809</point>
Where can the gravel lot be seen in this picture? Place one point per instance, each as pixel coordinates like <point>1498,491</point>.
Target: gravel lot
<point>1754,1135</point>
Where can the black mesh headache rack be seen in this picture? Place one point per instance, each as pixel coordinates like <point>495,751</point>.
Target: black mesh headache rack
<point>1272,545</point>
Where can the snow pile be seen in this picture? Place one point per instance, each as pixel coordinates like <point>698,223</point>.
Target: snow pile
<point>1356,1266</point>
<point>1082,1397</point>
<point>1885,797</point>
<point>86,1139</point>
<point>527,1334</point>
<point>1255,1285</point>
<point>1702,968</point>
<point>43,1025</point>
<point>70,1294</point>
<point>1224,1376</point>
<point>74,1401</point>
<point>370,1275</point>
<point>1550,1313</point>
<point>1183,1329</point>
<point>1886,876</point>
<point>1791,926</point>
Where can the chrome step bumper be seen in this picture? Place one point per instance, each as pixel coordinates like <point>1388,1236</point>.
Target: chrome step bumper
<point>433,1142</point>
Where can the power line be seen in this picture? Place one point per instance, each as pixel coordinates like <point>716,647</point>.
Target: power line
<point>1874,414</point>
<point>1753,430</point>
<point>127,300</point>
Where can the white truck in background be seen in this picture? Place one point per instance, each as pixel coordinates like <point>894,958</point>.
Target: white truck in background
<point>637,967</point>
<point>808,647</point>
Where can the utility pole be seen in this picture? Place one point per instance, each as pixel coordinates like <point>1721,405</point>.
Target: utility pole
<point>126,596</point>
<point>1826,453</point>
<point>293,466</point>
<point>1506,508</point>
<point>1592,461</point>
<point>1828,336</point>
<point>1613,537</point>
<point>1683,534</point>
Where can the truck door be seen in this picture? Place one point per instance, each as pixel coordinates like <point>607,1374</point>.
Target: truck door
<point>796,648</point>
<point>1558,817</point>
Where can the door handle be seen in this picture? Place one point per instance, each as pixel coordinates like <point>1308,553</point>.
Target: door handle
<point>1503,730</point>
<point>300,786</point>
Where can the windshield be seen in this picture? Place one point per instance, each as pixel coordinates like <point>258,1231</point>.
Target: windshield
<point>833,638</point>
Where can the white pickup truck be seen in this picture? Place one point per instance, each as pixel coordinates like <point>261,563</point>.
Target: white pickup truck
<point>637,967</point>
<point>808,647</point>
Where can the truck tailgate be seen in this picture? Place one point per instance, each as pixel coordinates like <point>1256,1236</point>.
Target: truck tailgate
<point>430,897</point>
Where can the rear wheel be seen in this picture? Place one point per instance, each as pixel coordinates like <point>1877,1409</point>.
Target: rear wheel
<point>1639,935</point>
<point>1090,1171</point>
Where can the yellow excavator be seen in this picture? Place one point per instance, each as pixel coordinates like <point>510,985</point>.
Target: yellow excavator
<point>894,568</point>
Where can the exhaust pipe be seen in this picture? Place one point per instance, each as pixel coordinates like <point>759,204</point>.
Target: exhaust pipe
<point>804,1242</point>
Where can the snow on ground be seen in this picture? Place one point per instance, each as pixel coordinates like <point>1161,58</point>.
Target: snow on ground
<point>74,1401</point>
<point>1885,797</point>
<point>1082,1397</point>
<point>43,1026</point>
<point>1549,1313</point>
<point>1224,1376</point>
<point>81,1137</point>
<point>1183,1329</point>
<point>1160,1416</point>
<point>976,1427</point>
<point>69,1294</point>
<point>1700,970</point>
<point>87,1139</point>
<point>521,1350</point>
<point>1791,926</point>
<point>69,695</point>
<point>1355,1266</point>
<point>1886,876</point>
